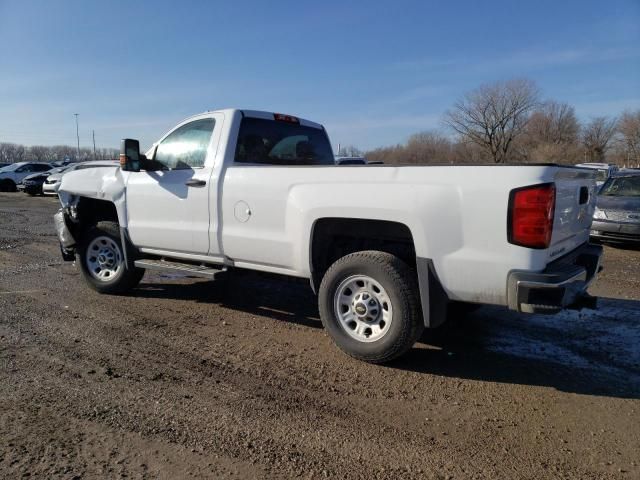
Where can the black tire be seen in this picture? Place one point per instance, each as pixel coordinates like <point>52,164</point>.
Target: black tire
<point>400,283</point>
<point>7,185</point>
<point>124,279</point>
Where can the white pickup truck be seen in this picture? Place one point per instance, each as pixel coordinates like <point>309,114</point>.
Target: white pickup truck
<point>387,248</point>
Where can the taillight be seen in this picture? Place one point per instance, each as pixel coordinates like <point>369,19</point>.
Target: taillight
<point>530,221</point>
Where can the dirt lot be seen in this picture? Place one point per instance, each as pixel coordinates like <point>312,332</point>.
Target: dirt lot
<point>235,378</point>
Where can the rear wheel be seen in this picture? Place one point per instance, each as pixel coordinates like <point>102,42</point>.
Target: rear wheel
<point>368,304</point>
<point>102,262</point>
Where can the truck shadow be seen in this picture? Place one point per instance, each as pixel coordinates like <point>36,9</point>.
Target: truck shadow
<point>589,352</point>
<point>281,298</point>
<point>593,352</point>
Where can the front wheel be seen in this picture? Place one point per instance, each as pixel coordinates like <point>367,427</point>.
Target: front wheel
<point>7,186</point>
<point>102,262</point>
<point>369,305</point>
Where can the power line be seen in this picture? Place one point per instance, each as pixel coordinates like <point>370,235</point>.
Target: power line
<point>77,135</point>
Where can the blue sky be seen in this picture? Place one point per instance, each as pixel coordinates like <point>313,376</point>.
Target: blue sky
<point>372,72</point>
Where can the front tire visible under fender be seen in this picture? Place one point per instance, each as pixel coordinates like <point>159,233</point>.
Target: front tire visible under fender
<point>369,305</point>
<point>100,255</point>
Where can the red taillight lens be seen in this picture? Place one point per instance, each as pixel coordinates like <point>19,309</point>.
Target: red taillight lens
<point>531,215</point>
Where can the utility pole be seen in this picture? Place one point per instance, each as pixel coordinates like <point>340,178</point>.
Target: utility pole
<point>93,133</point>
<point>77,138</point>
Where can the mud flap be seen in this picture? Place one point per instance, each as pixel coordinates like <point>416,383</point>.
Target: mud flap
<point>433,298</point>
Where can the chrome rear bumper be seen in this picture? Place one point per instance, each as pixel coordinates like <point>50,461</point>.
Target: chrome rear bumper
<point>562,284</point>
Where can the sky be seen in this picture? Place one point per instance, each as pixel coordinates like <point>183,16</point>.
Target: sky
<point>373,72</point>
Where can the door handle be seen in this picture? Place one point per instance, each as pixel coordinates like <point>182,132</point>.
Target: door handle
<point>195,183</point>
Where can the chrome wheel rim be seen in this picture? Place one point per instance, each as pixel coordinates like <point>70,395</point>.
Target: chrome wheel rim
<point>363,308</point>
<point>104,259</point>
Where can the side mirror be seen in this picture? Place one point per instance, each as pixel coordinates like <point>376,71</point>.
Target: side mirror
<point>130,155</point>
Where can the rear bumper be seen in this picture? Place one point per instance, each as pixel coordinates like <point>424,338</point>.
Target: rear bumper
<point>562,284</point>
<point>615,231</point>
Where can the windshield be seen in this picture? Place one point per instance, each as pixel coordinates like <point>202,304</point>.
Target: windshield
<point>622,187</point>
<point>602,175</point>
<point>10,168</point>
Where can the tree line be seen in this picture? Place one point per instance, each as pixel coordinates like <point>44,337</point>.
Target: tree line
<point>12,152</point>
<point>508,122</point>
<point>501,122</point>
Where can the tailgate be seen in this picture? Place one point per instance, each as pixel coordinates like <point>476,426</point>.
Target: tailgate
<point>575,203</point>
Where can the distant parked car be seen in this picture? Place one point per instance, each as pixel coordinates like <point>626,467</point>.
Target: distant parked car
<point>32,184</point>
<point>12,175</point>
<point>351,161</point>
<point>617,215</point>
<point>605,170</point>
<point>52,183</point>
<point>61,163</point>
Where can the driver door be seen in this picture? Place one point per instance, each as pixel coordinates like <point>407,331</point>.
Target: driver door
<point>169,207</point>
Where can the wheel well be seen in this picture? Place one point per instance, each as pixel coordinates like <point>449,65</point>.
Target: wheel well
<point>90,211</point>
<point>333,238</point>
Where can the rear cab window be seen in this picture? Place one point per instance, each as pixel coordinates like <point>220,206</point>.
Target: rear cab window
<point>276,142</point>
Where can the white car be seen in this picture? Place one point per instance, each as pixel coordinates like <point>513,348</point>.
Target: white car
<point>387,248</point>
<point>52,183</point>
<point>12,175</point>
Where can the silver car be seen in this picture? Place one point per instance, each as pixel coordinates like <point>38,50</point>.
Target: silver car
<point>617,215</point>
<point>52,183</point>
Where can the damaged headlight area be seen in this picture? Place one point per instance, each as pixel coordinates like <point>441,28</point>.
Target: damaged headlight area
<point>69,204</point>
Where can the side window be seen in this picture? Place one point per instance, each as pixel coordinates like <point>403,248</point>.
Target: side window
<point>186,147</point>
<point>25,168</point>
<point>274,142</point>
<point>42,167</point>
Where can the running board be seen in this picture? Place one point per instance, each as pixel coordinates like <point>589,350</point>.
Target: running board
<point>199,270</point>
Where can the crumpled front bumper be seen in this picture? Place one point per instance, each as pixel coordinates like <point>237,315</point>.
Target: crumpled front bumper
<point>562,284</point>
<point>65,237</point>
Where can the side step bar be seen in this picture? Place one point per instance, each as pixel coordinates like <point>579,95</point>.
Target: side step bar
<point>187,268</point>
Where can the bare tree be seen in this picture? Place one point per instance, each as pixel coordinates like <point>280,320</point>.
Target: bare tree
<point>629,129</point>
<point>551,135</point>
<point>494,115</point>
<point>393,155</point>
<point>597,135</point>
<point>349,151</point>
<point>11,152</point>
<point>554,123</point>
<point>39,153</point>
<point>428,147</point>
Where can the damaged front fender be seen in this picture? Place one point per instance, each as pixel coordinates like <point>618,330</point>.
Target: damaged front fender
<point>65,237</point>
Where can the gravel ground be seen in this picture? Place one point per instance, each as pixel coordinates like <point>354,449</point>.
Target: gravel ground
<point>235,378</point>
